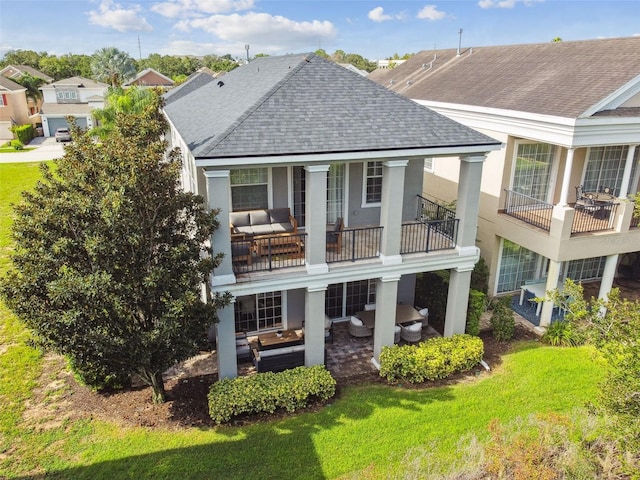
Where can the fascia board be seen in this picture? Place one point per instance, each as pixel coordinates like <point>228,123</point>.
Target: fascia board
<point>616,99</point>
<point>320,158</point>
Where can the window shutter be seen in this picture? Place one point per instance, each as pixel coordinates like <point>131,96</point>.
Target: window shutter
<point>4,99</point>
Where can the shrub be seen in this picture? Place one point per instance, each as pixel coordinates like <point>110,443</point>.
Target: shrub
<point>480,276</point>
<point>474,312</point>
<point>23,132</point>
<point>562,334</point>
<point>430,360</point>
<point>17,145</point>
<point>267,392</point>
<point>502,319</point>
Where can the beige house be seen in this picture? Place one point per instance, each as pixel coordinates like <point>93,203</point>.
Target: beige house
<point>14,109</point>
<point>555,199</point>
<point>150,78</point>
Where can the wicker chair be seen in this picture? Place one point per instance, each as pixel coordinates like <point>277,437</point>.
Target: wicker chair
<point>424,313</point>
<point>358,329</point>
<point>411,333</point>
<point>396,334</point>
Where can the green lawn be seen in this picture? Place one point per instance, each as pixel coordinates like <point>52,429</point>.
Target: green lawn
<point>367,432</point>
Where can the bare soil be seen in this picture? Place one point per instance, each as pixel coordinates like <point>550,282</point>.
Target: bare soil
<point>59,397</point>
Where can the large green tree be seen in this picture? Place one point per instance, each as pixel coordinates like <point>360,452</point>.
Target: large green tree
<point>112,66</point>
<point>32,84</point>
<point>111,256</point>
<point>133,100</point>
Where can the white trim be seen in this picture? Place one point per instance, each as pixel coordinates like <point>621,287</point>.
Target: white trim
<point>238,162</point>
<point>391,259</point>
<point>365,177</point>
<point>616,99</point>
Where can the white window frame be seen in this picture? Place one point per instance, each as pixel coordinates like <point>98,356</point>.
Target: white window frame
<point>365,183</point>
<point>553,174</point>
<point>269,185</point>
<point>429,164</point>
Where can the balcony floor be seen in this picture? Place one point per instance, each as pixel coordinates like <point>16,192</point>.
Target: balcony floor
<point>584,222</point>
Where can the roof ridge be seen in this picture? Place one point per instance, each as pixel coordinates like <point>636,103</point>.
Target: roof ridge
<point>261,101</point>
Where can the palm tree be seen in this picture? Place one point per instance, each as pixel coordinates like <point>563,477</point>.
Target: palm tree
<point>32,84</point>
<point>133,100</point>
<point>112,66</point>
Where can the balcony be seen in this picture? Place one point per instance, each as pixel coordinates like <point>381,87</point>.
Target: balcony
<point>267,253</point>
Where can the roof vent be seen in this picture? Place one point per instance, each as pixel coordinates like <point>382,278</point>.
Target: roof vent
<point>409,82</point>
<point>220,83</point>
<point>391,82</point>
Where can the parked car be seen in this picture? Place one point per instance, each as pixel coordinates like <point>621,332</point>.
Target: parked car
<point>63,135</point>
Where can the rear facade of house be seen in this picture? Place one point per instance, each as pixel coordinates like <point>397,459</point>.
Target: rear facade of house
<point>303,136</point>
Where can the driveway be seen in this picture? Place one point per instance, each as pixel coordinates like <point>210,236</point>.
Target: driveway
<point>46,149</point>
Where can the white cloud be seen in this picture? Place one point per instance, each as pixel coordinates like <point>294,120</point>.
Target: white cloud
<point>194,8</point>
<point>430,12</point>
<point>113,15</point>
<point>378,15</point>
<point>506,3</point>
<point>266,33</point>
<point>186,47</point>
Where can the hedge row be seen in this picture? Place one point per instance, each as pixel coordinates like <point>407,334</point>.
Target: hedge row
<point>23,132</point>
<point>267,392</point>
<point>430,360</point>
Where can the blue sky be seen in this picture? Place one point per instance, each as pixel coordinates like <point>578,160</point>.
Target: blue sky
<point>374,29</point>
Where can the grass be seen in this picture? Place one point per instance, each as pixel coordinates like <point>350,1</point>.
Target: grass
<point>13,150</point>
<point>369,431</point>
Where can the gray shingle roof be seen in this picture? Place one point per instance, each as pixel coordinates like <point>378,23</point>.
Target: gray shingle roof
<point>304,104</point>
<point>563,79</point>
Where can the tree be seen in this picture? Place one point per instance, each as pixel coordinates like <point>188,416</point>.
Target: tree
<point>111,257</point>
<point>22,57</point>
<point>112,66</point>
<point>65,66</point>
<point>613,326</point>
<point>133,100</point>
<point>32,84</point>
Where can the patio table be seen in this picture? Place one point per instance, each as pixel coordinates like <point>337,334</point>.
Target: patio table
<point>270,340</point>
<point>404,314</point>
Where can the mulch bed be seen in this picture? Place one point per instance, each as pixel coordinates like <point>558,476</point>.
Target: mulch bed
<point>186,404</point>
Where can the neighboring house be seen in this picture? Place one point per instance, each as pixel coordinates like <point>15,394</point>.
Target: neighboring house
<point>14,72</point>
<point>354,69</point>
<point>303,133</point>
<point>14,109</point>
<point>75,96</point>
<point>150,78</point>
<point>568,114</point>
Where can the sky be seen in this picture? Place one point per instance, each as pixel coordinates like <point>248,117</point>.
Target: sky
<point>373,29</point>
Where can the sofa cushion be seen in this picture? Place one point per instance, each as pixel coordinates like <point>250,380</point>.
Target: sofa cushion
<point>356,321</point>
<point>239,219</point>
<point>246,230</point>
<point>416,327</point>
<point>262,229</point>
<point>279,215</point>
<point>281,227</point>
<point>297,348</point>
<point>276,351</point>
<point>259,217</point>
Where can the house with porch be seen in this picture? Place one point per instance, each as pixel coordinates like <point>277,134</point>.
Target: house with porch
<point>555,200</point>
<point>317,175</point>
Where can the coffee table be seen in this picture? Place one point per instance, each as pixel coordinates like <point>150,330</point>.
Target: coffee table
<point>270,340</point>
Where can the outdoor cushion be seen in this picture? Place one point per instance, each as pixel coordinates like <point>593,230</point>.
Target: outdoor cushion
<point>281,227</point>
<point>328,323</point>
<point>397,329</point>
<point>424,312</point>
<point>356,321</point>
<point>240,219</point>
<point>275,351</point>
<point>262,229</point>
<point>279,215</point>
<point>259,217</point>
<point>416,327</point>
<point>370,306</point>
<point>297,348</point>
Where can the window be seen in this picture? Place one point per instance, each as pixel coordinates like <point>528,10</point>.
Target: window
<point>66,94</point>
<point>3,100</point>
<point>345,299</point>
<point>605,168</point>
<point>428,165</point>
<point>249,189</point>
<point>517,264</point>
<point>254,313</point>
<point>532,173</point>
<point>373,183</point>
<point>586,268</point>
<point>335,192</point>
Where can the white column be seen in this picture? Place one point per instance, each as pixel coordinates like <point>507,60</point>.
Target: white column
<point>566,178</point>
<point>386,300</point>
<point>457,301</point>
<point>391,210</point>
<point>316,218</point>
<point>218,194</point>
<point>607,276</point>
<point>314,325</point>
<point>626,175</point>
<point>467,206</point>
<point>226,343</point>
<point>553,275</point>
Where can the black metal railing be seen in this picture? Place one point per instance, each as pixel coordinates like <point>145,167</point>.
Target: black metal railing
<point>354,244</point>
<point>635,222</point>
<point>266,253</point>
<point>594,218</point>
<point>428,211</point>
<point>429,236</point>
<point>528,209</point>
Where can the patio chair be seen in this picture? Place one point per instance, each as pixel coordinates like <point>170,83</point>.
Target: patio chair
<point>369,307</point>
<point>396,334</point>
<point>334,236</point>
<point>359,329</point>
<point>584,202</point>
<point>411,333</point>
<point>424,313</point>
<point>328,329</point>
